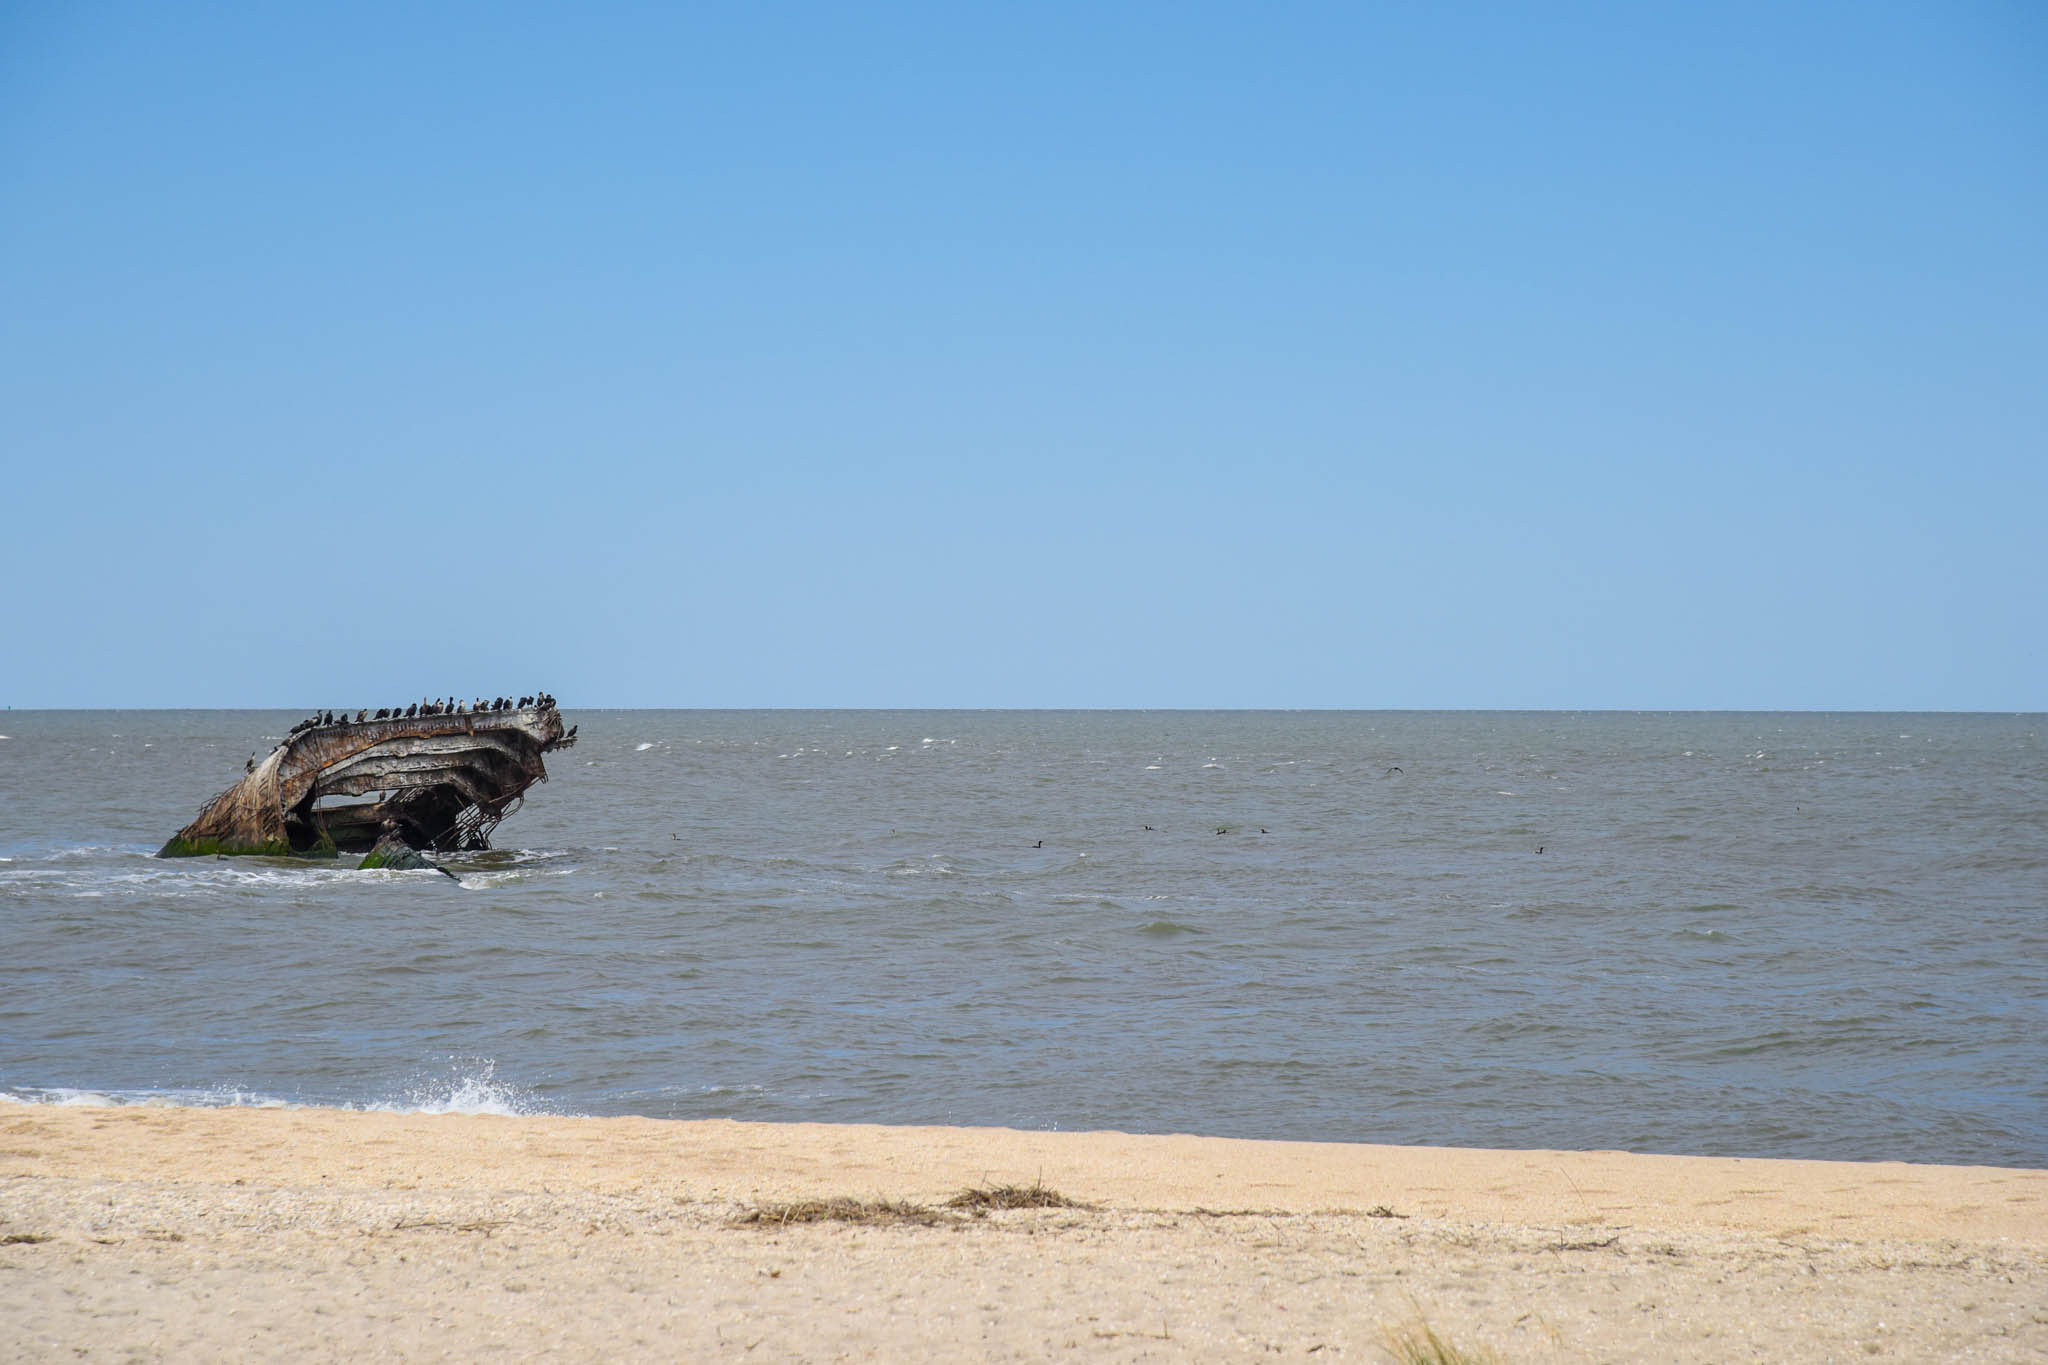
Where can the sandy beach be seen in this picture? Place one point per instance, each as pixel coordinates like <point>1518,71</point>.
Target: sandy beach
<point>262,1234</point>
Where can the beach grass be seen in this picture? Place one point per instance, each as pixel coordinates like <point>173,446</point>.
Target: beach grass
<point>1417,1343</point>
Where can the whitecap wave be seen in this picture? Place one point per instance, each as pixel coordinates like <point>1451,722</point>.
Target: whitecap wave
<point>473,1088</point>
<point>71,1097</point>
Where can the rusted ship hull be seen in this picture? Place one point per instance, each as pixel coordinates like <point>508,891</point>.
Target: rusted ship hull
<point>437,782</point>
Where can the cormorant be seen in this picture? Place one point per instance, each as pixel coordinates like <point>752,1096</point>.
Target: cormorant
<point>412,710</point>
<point>362,716</point>
<point>329,720</point>
<point>572,732</point>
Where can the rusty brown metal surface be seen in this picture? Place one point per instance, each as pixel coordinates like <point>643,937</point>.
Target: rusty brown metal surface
<point>441,781</point>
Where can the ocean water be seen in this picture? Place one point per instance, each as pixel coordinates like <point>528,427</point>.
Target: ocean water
<point>1807,935</point>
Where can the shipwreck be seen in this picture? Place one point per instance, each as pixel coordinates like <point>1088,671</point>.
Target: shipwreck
<point>434,775</point>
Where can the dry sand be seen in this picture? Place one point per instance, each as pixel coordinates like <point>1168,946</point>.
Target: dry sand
<point>251,1234</point>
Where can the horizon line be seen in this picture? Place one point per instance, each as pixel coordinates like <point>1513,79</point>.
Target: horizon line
<point>1205,710</point>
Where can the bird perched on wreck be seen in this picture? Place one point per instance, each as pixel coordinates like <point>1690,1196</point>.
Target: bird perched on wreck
<point>362,716</point>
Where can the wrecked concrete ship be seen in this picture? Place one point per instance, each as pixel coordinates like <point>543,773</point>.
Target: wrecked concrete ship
<point>439,781</point>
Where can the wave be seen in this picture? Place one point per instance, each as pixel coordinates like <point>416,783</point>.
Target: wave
<point>72,1097</point>
<point>472,1088</point>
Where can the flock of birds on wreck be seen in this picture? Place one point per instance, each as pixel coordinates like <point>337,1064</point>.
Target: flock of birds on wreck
<point>440,706</point>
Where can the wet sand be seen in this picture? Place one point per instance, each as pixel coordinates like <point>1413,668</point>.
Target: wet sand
<point>265,1233</point>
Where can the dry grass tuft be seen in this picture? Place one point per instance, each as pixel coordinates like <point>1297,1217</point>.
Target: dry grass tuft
<point>841,1210</point>
<point>1032,1196</point>
<point>1417,1343</point>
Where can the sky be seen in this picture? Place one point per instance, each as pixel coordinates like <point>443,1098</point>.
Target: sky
<point>1068,355</point>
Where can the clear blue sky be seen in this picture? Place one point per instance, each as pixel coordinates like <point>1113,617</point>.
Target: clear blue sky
<point>1346,355</point>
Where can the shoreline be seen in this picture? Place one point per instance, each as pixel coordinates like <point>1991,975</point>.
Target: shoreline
<point>222,1232</point>
<point>745,1160</point>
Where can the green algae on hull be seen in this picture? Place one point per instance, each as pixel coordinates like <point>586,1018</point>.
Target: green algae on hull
<point>394,854</point>
<point>179,847</point>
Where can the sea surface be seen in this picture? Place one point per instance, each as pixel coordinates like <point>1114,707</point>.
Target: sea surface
<point>1802,935</point>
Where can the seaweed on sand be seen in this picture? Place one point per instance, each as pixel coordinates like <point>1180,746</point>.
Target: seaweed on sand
<point>1032,1196</point>
<point>840,1210</point>
<point>968,1204</point>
